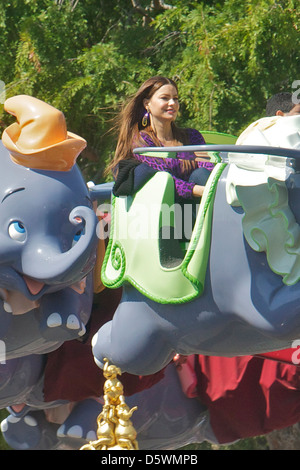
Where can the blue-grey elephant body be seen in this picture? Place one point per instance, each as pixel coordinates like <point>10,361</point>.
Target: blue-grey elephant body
<point>42,215</point>
<point>48,237</point>
<point>245,307</point>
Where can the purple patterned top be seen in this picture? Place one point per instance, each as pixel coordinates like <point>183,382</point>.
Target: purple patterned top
<point>173,166</point>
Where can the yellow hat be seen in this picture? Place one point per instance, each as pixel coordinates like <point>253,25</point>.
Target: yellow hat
<point>39,139</point>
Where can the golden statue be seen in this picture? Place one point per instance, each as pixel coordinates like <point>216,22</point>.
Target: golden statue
<point>115,430</point>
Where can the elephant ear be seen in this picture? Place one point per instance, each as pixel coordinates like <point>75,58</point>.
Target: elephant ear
<point>139,253</point>
<point>257,183</point>
<point>271,227</point>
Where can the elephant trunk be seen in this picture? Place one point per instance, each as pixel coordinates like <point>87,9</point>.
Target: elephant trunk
<point>48,264</point>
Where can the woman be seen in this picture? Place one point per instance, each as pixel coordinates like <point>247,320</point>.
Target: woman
<point>149,120</point>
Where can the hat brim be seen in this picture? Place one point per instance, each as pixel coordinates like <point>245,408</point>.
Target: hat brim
<point>57,157</point>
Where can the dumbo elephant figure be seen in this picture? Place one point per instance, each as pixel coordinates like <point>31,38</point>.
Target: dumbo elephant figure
<point>235,289</point>
<point>48,232</point>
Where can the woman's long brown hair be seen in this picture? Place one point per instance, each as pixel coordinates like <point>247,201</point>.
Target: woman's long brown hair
<point>129,123</point>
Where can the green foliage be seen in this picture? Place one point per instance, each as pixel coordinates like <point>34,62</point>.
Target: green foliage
<point>233,58</point>
<point>85,58</point>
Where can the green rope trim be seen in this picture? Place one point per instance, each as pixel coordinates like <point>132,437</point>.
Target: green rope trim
<point>118,261</point>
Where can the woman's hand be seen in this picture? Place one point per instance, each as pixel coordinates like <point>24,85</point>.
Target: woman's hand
<point>202,157</point>
<point>198,190</point>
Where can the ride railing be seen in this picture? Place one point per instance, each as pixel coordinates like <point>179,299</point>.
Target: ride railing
<point>223,153</point>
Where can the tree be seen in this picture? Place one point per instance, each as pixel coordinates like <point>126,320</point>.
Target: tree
<point>148,11</point>
<point>228,57</point>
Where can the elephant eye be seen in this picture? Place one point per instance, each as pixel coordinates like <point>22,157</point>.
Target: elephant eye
<point>17,231</point>
<point>77,236</point>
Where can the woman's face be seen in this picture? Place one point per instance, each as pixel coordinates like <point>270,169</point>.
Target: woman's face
<point>163,104</point>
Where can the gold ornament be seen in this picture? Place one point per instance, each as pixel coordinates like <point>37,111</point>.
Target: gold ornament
<point>115,430</point>
<point>145,119</point>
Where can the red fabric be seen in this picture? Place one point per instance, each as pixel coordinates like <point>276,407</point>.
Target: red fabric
<point>71,373</point>
<point>247,396</point>
<point>284,355</point>
<point>188,377</point>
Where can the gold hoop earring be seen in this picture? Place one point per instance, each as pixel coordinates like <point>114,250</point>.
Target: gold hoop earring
<point>145,119</point>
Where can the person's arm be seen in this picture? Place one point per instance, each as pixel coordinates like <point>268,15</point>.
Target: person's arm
<point>202,158</point>
<point>132,175</point>
<point>124,181</point>
<point>183,188</point>
<point>196,138</point>
<point>198,190</point>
